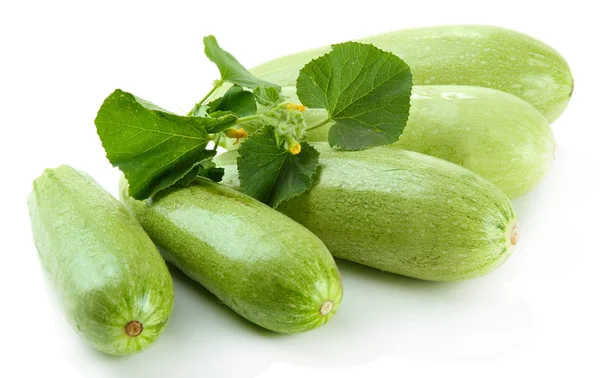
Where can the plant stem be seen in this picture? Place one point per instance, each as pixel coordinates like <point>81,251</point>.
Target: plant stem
<point>249,118</point>
<point>217,140</point>
<point>201,102</point>
<point>319,124</point>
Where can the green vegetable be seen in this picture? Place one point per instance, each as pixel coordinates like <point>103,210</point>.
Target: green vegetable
<point>365,91</point>
<point>403,212</point>
<point>493,133</point>
<point>114,285</point>
<point>478,55</point>
<point>263,265</point>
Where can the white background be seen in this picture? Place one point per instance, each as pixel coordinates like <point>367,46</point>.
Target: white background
<point>537,315</point>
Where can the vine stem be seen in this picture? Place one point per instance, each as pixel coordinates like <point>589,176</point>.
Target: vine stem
<point>201,102</point>
<point>249,118</point>
<point>217,140</point>
<point>319,124</point>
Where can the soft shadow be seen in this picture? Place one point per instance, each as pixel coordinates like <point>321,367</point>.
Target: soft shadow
<point>550,223</point>
<point>385,314</point>
<point>381,314</point>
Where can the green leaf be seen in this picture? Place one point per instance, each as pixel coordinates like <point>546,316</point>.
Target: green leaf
<point>212,173</point>
<point>189,177</point>
<point>272,174</point>
<point>235,100</point>
<point>365,90</point>
<point>205,168</point>
<point>199,111</point>
<point>220,113</point>
<point>231,70</point>
<point>267,96</point>
<point>154,148</point>
<point>219,121</point>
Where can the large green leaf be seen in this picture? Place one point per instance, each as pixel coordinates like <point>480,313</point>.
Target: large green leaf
<point>154,148</point>
<point>365,90</point>
<point>272,174</point>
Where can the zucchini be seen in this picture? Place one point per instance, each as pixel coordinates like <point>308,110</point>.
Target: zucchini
<point>263,265</point>
<point>478,55</point>
<point>113,283</point>
<point>403,212</point>
<point>493,133</point>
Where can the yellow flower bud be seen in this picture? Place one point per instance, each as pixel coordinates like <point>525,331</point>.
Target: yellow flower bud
<point>236,133</point>
<point>299,108</point>
<point>295,148</point>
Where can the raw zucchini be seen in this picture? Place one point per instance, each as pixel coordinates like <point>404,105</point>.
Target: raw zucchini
<point>493,133</point>
<point>263,265</point>
<point>404,212</point>
<point>113,282</point>
<point>478,55</point>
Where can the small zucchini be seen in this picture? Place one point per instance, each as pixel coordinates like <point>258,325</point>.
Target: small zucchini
<point>114,284</point>
<point>403,212</point>
<point>478,55</point>
<point>263,265</point>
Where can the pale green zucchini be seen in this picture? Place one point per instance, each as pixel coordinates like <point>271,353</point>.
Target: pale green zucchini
<point>478,55</point>
<point>403,212</point>
<point>493,133</point>
<point>263,265</point>
<point>114,284</point>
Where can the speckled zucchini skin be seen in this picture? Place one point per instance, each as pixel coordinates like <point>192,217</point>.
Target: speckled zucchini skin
<point>405,213</point>
<point>494,134</point>
<point>263,265</point>
<point>114,284</point>
<point>478,55</point>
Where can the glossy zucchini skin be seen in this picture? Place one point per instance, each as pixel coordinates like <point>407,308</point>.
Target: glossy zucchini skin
<point>494,134</point>
<point>477,55</point>
<point>113,283</point>
<point>404,212</point>
<point>266,267</point>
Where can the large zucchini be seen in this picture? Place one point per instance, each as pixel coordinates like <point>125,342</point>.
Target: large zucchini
<point>478,55</point>
<point>404,212</point>
<point>263,265</point>
<point>114,284</point>
<point>493,133</point>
